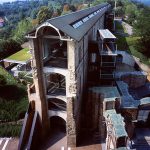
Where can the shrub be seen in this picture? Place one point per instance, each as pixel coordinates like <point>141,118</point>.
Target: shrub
<point>2,80</point>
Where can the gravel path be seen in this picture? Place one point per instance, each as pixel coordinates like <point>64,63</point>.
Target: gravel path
<point>129,29</point>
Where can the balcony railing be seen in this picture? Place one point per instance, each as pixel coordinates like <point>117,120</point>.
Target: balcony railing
<point>108,50</point>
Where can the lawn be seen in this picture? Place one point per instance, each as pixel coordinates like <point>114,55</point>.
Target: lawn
<point>13,105</point>
<point>22,55</point>
<point>128,43</point>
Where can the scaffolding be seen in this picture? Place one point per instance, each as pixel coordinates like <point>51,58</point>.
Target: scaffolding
<point>108,54</point>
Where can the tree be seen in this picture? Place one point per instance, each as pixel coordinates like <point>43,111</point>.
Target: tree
<point>22,28</point>
<point>66,9</point>
<point>142,29</point>
<point>2,13</point>
<point>2,80</point>
<point>44,14</point>
<point>96,2</point>
<point>131,11</point>
<point>8,47</point>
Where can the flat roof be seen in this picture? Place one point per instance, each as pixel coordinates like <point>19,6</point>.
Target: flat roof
<point>109,92</point>
<point>117,121</point>
<point>106,34</point>
<point>21,57</point>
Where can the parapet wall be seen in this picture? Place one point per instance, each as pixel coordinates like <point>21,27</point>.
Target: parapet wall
<point>134,79</point>
<point>132,60</point>
<point>127,58</point>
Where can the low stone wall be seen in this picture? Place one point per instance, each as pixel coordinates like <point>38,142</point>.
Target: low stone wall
<point>135,79</point>
<point>127,58</point>
<point>143,67</point>
<point>131,60</point>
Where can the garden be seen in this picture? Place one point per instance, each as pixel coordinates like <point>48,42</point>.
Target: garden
<point>13,104</point>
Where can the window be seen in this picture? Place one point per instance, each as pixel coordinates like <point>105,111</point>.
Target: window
<point>80,22</point>
<point>93,57</point>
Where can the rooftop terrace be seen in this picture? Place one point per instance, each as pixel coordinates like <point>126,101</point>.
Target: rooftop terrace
<point>109,92</point>
<point>22,56</point>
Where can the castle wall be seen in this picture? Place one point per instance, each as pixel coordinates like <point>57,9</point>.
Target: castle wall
<point>77,79</point>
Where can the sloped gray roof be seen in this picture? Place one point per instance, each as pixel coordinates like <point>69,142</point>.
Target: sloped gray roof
<point>64,23</point>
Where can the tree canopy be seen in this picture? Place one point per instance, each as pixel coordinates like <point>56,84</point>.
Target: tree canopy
<point>22,28</point>
<point>142,29</point>
<point>44,14</point>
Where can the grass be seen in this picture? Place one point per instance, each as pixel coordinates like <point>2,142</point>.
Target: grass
<point>9,78</point>
<point>128,43</point>
<point>22,55</point>
<point>9,129</point>
<point>118,26</point>
<point>13,105</point>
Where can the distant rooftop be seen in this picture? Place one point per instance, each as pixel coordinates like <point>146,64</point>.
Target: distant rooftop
<point>109,92</point>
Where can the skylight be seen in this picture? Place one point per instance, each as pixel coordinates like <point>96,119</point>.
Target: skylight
<point>85,19</point>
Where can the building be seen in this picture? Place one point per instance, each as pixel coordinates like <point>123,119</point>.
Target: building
<point>1,22</point>
<point>73,57</point>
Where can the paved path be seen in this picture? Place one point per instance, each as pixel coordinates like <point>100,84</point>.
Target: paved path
<point>58,141</point>
<point>9,143</point>
<point>129,29</point>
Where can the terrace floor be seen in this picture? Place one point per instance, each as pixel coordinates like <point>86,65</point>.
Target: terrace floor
<point>60,141</point>
<point>56,62</point>
<point>120,67</point>
<point>57,92</point>
<point>9,144</point>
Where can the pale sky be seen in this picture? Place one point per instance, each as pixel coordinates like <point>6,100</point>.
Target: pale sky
<point>2,1</point>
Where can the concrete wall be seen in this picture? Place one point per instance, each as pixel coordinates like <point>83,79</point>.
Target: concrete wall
<point>127,58</point>
<point>77,77</point>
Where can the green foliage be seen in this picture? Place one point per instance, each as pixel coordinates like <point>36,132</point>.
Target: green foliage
<point>2,13</point>
<point>22,55</point>
<point>129,44</point>
<point>2,80</point>
<point>11,110</point>
<point>131,12</point>
<point>8,47</point>
<point>9,130</point>
<point>96,2</point>
<point>119,11</point>
<point>22,28</point>
<point>142,29</point>
<point>10,80</point>
<point>44,14</point>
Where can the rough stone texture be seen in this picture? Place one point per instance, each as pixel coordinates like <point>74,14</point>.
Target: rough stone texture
<point>76,79</point>
<point>71,126</point>
<point>94,115</point>
<point>130,129</point>
<point>40,101</point>
<point>130,114</point>
<point>134,80</point>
